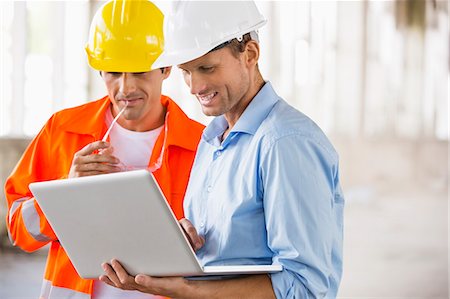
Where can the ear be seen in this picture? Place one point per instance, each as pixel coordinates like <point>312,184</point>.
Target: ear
<point>252,53</point>
<point>166,72</point>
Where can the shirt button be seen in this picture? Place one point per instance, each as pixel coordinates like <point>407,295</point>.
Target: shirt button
<point>218,153</point>
<point>202,224</point>
<point>209,189</point>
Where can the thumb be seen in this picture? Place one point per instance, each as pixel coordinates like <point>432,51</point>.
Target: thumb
<point>142,279</point>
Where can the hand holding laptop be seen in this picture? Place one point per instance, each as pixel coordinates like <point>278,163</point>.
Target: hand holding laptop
<point>194,238</point>
<point>117,276</point>
<point>174,287</point>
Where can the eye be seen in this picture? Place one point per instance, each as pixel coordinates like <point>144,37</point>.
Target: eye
<point>206,69</point>
<point>139,74</point>
<point>115,74</point>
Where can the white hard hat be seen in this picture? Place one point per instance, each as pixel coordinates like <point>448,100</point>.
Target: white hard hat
<point>193,28</point>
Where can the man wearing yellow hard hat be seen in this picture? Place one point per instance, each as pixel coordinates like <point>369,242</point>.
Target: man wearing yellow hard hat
<point>133,126</point>
<point>272,173</point>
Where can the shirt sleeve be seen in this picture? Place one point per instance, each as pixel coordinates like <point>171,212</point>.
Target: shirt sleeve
<point>303,212</point>
<point>27,226</point>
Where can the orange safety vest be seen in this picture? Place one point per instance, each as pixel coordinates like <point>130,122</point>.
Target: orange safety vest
<point>49,157</point>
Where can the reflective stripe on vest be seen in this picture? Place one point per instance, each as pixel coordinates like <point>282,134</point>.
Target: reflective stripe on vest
<point>32,221</point>
<point>51,292</point>
<point>15,205</point>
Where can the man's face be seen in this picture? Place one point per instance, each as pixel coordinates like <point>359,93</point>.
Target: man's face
<point>142,91</point>
<point>220,81</point>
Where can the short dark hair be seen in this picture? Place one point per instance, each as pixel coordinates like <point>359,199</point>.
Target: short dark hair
<point>235,45</point>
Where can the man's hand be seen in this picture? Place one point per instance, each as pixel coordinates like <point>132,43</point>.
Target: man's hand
<point>117,276</point>
<point>86,162</point>
<point>194,238</point>
<point>174,287</point>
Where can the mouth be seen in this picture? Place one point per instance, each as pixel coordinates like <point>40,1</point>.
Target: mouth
<point>206,99</point>
<point>129,102</point>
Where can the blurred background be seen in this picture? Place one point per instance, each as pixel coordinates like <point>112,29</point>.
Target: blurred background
<point>374,75</point>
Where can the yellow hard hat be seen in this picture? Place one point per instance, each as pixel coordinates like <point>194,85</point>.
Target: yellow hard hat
<point>125,36</point>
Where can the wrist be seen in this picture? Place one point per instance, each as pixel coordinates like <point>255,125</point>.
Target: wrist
<point>193,290</point>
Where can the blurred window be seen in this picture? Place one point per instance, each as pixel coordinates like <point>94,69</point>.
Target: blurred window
<point>43,64</point>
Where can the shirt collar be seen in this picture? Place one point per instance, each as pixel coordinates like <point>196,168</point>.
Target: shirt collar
<point>251,118</point>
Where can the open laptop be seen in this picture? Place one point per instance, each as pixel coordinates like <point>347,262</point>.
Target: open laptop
<point>124,216</point>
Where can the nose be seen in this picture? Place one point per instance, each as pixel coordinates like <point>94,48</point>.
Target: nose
<point>196,83</point>
<point>127,84</point>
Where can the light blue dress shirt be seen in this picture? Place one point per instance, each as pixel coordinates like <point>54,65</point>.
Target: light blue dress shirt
<point>270,193</point>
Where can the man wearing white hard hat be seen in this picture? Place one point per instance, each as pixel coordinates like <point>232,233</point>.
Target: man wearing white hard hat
<point>267,186</point>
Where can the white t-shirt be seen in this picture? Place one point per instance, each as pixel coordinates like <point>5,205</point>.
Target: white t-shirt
<point>133,149</point>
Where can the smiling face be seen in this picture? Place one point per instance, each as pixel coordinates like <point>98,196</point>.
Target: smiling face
<point>222,82</point>
<point>142,94</point>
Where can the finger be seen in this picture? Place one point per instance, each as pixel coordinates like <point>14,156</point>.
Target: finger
<point>148,284</point>
<point>106,280</point>
<point>99,167</point>
<point>111,274</point>
<point>97,145</point>
<point>95,158</point>
<point>80,170</point>
<point>122,274</point>
<point>79,161</point>
<point>144,280</point>
<point>196,241</point>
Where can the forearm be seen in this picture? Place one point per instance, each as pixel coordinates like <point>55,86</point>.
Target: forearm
<point>254,286</point>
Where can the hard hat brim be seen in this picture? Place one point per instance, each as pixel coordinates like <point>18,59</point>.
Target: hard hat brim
<point>177,58</point>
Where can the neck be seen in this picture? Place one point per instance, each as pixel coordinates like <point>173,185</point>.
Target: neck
<point>233,116</point>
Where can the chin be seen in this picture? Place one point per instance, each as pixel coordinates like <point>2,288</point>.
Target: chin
<point>130,116</point>
<point>211,112</point>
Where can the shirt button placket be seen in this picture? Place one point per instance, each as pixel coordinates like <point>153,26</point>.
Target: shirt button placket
<point>217,153</point>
